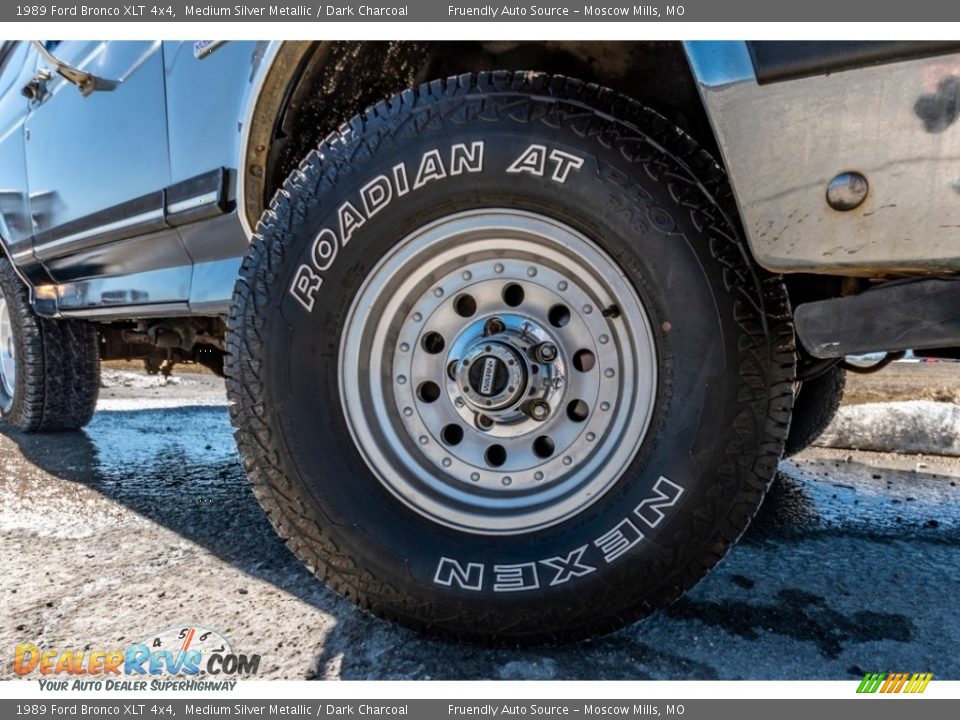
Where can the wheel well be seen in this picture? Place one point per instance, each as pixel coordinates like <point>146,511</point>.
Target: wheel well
<point>336,80</point>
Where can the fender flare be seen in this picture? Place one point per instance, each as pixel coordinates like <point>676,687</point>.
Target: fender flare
<point>273,77</point>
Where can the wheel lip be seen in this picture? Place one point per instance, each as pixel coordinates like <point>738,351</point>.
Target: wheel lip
<point>630,414</point>
<point>8,360</point>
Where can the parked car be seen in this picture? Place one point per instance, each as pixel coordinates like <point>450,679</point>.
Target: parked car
<point>512,356</point>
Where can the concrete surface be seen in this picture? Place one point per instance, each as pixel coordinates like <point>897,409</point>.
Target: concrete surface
<point>145,521</point>
<point>913,426</point>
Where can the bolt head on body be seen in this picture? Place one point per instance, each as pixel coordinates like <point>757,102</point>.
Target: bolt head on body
<point>847,191</point>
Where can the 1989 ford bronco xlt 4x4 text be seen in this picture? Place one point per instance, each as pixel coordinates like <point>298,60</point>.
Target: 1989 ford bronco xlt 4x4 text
<point>511,356</point>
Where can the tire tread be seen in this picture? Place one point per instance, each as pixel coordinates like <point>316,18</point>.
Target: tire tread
<point>58,365</point>
<point>698,186</point>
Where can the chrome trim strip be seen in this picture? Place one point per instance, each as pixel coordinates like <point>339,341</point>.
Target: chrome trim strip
<point>193,202</point>
<point>140,219</point>
<point>129,312</point>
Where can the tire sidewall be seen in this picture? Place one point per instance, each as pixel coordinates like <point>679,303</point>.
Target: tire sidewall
<point>705,429</point>
<point>11,291</point>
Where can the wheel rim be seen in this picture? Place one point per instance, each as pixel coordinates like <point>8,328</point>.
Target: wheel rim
<point>497,371</point>
<point>8,354</point>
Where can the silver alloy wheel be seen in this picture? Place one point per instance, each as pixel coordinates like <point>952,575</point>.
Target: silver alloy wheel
<point>497,371</point>
<point>8,354</point>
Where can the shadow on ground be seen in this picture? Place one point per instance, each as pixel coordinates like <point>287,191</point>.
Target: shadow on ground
<point>817,588</point>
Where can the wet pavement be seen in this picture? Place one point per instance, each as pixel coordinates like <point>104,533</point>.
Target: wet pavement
<point>145,521</point>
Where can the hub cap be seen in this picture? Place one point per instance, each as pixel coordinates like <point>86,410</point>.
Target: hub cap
<point>8,355</point>
<point>497,371</point>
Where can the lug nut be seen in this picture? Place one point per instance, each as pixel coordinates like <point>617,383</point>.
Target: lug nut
<point>539,410</point>
<point>546,352</point>
<point>493,326</point>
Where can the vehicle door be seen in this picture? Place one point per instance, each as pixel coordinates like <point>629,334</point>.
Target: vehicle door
<point>98,168</point>
<point>208,85</point>
<point>15,229</point>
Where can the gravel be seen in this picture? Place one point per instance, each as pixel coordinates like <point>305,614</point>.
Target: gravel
<point>145,521</point>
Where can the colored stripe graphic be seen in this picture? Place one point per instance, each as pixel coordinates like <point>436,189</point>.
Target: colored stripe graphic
<point>918,683</point>
<point>894,683</point>
<point>871,682</point>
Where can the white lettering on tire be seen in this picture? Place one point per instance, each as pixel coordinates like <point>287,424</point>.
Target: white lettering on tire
<point>579,562</point>
<point>451,571</point>
<point>565,162</point>
<point>512,578</point>
<point>464,159</point>
<point>305,285</point>
<point>533,160</point>
<point>350,219</point>
<point>400,179</point>
<point>379,192</point>
<point>431,168</point>
<point>570,566</point>
<point>530,161</point>
<point>651,509</point>
<point>619,540</point>
<point>325,248</point>
<point>376,195</point>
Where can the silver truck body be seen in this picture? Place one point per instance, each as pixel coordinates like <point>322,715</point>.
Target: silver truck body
<point>139,201</point>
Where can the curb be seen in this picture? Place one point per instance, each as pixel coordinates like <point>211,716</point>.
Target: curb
<point>919,427</point>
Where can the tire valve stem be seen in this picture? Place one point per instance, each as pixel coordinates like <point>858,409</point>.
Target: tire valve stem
<point>611,311</point>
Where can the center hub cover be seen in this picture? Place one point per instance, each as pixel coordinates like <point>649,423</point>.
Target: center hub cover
<point>488,376</point>
<point>492,375</point>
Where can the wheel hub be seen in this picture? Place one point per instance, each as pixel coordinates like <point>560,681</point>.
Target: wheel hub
<point>499,381</point>
<point>482,380</point>
<point>492,375</point>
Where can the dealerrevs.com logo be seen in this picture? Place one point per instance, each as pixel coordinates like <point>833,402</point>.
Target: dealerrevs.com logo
<point>175,658</point>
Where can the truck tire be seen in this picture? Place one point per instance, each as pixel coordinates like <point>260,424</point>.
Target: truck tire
<point>814,409</point>
<point>500,366</point>
<point>49,369</point>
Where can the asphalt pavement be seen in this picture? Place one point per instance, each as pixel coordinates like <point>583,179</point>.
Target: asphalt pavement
<point>145,521</point>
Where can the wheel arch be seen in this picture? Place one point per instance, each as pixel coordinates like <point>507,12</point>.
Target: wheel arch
<point>303,91</point>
